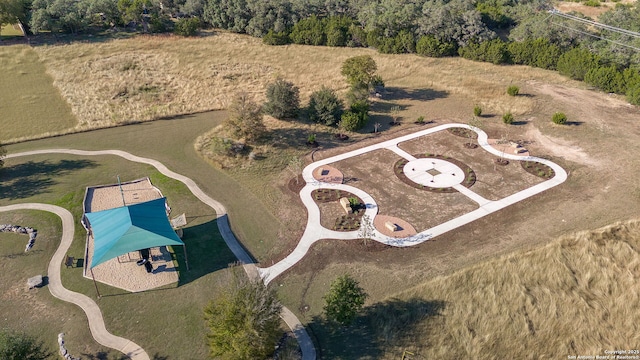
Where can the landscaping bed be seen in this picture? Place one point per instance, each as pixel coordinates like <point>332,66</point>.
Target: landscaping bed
<point>470,175</point>
<point>346,222</point>
<point>538,169</point>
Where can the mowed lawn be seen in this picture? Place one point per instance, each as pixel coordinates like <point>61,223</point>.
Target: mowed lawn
<point>30,105</point>
<point>166,322</point>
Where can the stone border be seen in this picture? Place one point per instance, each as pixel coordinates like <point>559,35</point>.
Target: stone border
<point>21,230</point>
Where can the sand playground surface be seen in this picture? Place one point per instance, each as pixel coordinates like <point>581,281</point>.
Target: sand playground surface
<point>123,272</point>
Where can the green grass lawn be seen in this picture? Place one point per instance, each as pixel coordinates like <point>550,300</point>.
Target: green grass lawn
<point>9,30</point>
<point>37,312</point>
<point>166,322</point>
<point>171,142</point>
<point>29,103</point>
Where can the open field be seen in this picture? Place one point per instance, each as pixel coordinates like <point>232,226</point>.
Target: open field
<point>30,105</point>
<point>147,318</point>
<point>598,150</point>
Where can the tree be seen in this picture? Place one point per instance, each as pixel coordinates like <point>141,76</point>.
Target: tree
<point>325,107</point>
<point>455,21</point>
<point>14,11</point>
<point>344,300</point>
<point>283,100</point>
<point>187,27</point>
<point>359,70</point>
<point>59,15</point>
<point>366,231</point>
<point>18,346</point>
<point>231,15</point>
<point>577,62</point>
<point>308,31</point>
<point>243,321</point>
<point>245,118</point>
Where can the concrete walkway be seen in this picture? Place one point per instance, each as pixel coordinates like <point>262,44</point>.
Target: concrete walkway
<point>306,345</point>
<point>315,231</point>
<point>94,315</point>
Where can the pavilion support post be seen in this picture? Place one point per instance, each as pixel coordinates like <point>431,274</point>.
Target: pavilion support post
<point>94,283</point>
<point>186,261</point>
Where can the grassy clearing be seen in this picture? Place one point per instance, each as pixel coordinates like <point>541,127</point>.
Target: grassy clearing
<point>10,31</point>
<point>151,318</point>
<point>30,105</point>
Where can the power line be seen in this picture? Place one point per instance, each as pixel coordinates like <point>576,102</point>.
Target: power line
<point>596,36</point>
<point>596,24</point>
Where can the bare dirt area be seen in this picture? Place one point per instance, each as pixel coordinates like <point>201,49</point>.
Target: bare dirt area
<point>493,182</point>
<point>373,173</point>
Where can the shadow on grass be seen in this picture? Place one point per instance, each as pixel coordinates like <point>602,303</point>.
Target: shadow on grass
<point>379,328</point>
<point>33,178</point>
<point>105,356</point>
<point>396,93</point>
<point>206,251</point>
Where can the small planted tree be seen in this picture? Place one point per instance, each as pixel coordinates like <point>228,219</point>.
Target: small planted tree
<point>395,115</point>
<point>559,118</point>
<point>477,111</point>
<point>283,101</point>
<point>344,300</point>
<point>513,90</point>
<point>507,118</point>
<point>243,320</point>
<point>366,230</point>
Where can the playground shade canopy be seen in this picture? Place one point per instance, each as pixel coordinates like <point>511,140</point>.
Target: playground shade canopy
<point>130,228</point>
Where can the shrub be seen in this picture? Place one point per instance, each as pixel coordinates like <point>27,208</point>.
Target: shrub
<point>513,90</point>
<point>539,52</point>
<point>311,138</point>
<point>276,38</point>
<point>359,70</point>
<point>494,51</point>
<point>577,62</point>
<point>606,78</point>
<point>245,118</point>
<point>353,120</point>
<point>282,100</point>
<point>420,120</point>
<point>559,118</point>
<point>477,110</point>
<point>633,94</point>
<point>430,46</point>
<point>337,30</point>
<point>325,107</point>
<point>309,31</point>
<point>187,27</point>
<point>20,346</point>
<point>507,118</point>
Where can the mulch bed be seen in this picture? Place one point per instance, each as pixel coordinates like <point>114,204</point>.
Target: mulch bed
<point>538,169</point>
<point>342,137</point>
<point>347,222</point>
<point>501,161</point>
<point>296,186</point>
<point>462,132</point>
<point>470,175</point>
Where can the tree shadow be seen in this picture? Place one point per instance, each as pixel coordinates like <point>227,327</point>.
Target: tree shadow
<point>377,328</point>
<point>574,123</point>
<point>397,93</point>
<point>206,252</point>
<point>105,356</point>
<point>33,178</point>
<point>519,122</point>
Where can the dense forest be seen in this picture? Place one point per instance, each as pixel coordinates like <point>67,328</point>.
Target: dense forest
<point>496,31</point>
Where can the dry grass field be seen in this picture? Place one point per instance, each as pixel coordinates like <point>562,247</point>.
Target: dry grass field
<point>148,77</point>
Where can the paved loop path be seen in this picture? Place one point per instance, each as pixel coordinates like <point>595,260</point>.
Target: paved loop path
<point>96,322</point>
<point>94,315</point>
<point>314,231</point>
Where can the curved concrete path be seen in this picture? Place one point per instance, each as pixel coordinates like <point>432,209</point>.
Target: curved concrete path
<point>314,231</point>
<point>301,335</point>
<point>94,315</point>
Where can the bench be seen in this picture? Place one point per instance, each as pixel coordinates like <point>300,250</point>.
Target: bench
<point>390,226</point>
<point>69,261</point>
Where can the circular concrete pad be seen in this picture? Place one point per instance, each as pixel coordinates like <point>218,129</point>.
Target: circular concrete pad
<point>434,173</point>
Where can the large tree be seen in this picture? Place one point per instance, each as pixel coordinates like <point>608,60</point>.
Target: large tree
<point>359,70</point>
<point>244,321</point>
<point>344,300</point>
<point>18,346</point>
<point>325,107</point>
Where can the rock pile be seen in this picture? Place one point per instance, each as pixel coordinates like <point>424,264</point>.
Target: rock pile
<point>21,230</point>
<point>63,350</point>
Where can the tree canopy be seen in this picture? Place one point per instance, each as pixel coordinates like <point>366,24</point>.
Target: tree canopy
<point>20,346</point>
<point>244,321</point>
<point>344,300</point>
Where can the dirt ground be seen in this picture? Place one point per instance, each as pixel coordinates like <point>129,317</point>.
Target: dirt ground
<point>598,149</point>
